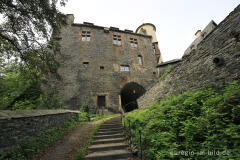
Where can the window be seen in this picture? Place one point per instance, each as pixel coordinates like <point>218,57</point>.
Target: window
<point>117,40</point>
<point>85,64</point>
<point>133,43</point>
<point>124,68</point>
<point>140,60</point>
<point>154,48</point>
<point>86,35</point>
<point>101,67</point>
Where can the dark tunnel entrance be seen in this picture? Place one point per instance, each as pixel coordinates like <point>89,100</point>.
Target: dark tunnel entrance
<point>129,95</point>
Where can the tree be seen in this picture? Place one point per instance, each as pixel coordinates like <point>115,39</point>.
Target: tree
<point>26,51</point>
<point>27,29</point>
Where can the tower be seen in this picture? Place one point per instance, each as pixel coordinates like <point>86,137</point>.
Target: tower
<point>150,29</point>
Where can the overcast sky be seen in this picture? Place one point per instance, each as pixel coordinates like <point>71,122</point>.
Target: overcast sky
<point>176,20</point>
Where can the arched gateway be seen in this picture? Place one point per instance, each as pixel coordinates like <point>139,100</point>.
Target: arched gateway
<point>129,95</point>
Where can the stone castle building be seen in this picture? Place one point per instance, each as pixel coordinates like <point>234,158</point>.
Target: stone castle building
<point>107,68</point>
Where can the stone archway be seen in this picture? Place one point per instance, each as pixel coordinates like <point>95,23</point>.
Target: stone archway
<point>129,95</point>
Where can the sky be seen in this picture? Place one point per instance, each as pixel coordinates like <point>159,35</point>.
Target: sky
<point>176,21</point>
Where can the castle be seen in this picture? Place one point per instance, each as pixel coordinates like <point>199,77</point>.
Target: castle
<point>106,68</point>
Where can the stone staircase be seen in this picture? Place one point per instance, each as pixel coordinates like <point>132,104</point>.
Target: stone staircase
<point>108,143</point>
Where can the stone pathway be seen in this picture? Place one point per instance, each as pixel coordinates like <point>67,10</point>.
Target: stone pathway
<point>108,143</point>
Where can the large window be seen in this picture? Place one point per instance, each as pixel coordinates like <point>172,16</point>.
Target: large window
<point>125,68</point>
<point>117,40</point>
<point>86,35</point>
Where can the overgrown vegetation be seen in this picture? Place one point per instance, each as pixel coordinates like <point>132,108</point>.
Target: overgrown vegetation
<point>19,90</point>
<point>166,72</point>
<point>204,124</point>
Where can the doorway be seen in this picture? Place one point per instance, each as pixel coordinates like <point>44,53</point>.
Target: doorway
<point>129,95</point>
<point>101,101</point>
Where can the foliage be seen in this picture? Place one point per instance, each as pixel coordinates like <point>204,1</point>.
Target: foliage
<point>166,72</point>
<point>26,31</point>
<point>28,50</point>
<point>191,126</point>
<point>19,89</point>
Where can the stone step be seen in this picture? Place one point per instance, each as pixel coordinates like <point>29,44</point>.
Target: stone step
<point>121,154</point>
<point>108,132</point>
<point>107,147</point>
<point>108,136</point>
<point>109,142</point>
<point>111,125</point>
<point>106,141</point>
<point>109,129</point>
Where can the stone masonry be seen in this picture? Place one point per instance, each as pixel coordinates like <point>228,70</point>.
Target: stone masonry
<point>18,126</point>
<point>90,67</point>
<point>215,62</point>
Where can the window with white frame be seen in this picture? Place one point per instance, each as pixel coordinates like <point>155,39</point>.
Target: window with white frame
<point>133,42</point>
<point>86,35</point>
<point>117,40</point>
<point>125,68</point>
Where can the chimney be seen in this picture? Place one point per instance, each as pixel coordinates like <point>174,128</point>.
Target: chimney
<point>70,19</point>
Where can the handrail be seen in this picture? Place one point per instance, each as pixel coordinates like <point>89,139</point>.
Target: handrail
<point>127,128</point>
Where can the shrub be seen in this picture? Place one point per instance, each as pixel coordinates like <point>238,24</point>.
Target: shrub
<point>193,125</point>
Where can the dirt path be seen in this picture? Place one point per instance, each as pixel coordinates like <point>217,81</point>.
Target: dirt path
<point>67,147</point>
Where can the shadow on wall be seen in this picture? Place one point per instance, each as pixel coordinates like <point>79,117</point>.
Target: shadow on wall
<point>129,95</point>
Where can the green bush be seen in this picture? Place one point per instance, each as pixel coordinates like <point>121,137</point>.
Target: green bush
<point>191,125</point>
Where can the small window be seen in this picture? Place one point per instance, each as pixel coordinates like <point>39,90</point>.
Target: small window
<point>124,68</point>
<point>117,40</point>
<point>101,67</point>
<point>86,35</point>
<point>85,64</point>
<point>133,43</point>
<point>140,60</point>
<point>154,48</point>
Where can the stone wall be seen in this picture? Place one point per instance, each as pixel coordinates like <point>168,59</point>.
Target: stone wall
<point>18,126</point>
<point>215,62</point>
<point>79,84</point>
